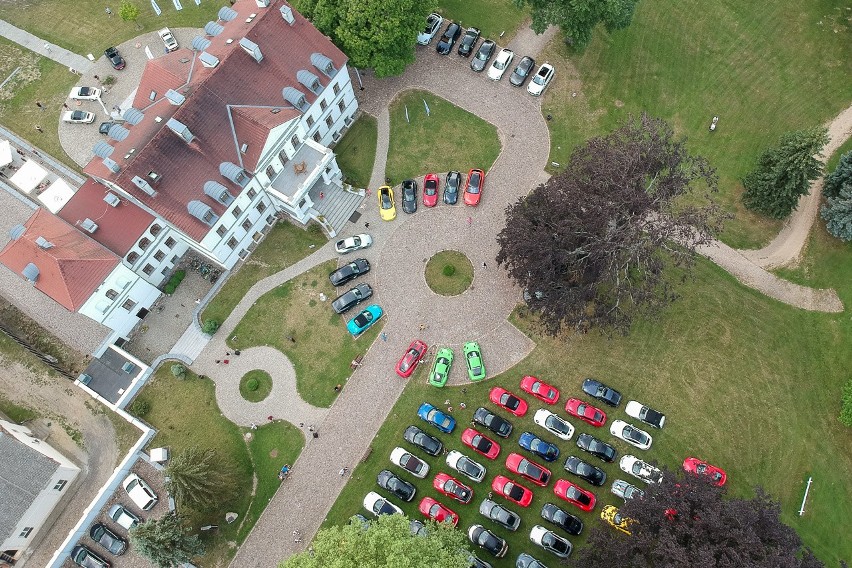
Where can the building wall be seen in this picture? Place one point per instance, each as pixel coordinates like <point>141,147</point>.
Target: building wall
<point>117,301</point>
<point>157,251</point>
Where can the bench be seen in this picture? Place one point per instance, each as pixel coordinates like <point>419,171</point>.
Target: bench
<point>356,362</point>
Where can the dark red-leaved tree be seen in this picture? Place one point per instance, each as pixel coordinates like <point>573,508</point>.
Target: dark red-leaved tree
<point>590,246</point>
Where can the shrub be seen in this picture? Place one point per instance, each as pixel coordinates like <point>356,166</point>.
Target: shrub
<point>180,275</point>
<point>179,371</point>
<point>108,80</point>
<point>139,408</point>
<point>169,288</point>
<point>252,385</point>
<point>846,404</point>
<point>449,270</point>
<point>210,326</point>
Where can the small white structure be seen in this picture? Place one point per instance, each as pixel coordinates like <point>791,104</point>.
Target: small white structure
<point>28,176</point>
<point>56,195</point>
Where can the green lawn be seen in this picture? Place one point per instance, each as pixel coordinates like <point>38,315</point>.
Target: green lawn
<point>460,273</point>
<point>356,151</point>
<point>763,70</point>
<point>436,143</point>
<point>17,413</point>
<point>323,350</point>
<point>491,17</point>
<point>835,158</point>
<point>262,383</point>
<point>285,244</point>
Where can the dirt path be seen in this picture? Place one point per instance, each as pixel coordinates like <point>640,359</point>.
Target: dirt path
<point>786,247</point>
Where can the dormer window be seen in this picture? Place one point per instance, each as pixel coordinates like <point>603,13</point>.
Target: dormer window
<point>202,212</point>
<point>323,64</point>
<point>218,192</point>
<point>310,81</point>
<point>296,98</point>
<point>144,243</point>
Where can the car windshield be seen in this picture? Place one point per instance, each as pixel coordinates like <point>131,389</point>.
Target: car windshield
<point>554,423</point>
<point>363,319</point>
<point>513,491</point>
<point>473,183</point>
<point>468,467</point>
<point>386,201</point>
<point>538,79</point>
<point>501,63</point>
<point>431,187</point>
<point>529,469</point>
<point>482,443</point>
<point>521,70</point>
<point>579,496</point>
<point>509,401</point>
<point>484,52</point>
<point>408,193</point>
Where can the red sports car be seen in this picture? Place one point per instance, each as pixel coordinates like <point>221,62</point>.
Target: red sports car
<point>512,491</point>
<point>528,469</point>
<point>585,412</point>
<point>413,355</point>
<point>430,190</point>
<point>473,187</point>
<point>539,389</point>
<point>504,399</point>
<point>698,467</point>
<point>437,512</point>
<point>480,443</point>
<point>575,494</point>
<point>453,488</point>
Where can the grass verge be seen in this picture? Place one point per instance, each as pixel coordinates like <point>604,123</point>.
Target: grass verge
<point>449,273</point>
<point>356,151</point>
<point>17,413</point>
<point>262,385</point>
<point>492,17</point>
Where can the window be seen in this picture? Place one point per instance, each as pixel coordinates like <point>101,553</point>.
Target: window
<point>26,532</point>
<point>261,207</point>
<point>144,243</point>
<point>310,121</point>
<point>251,193</point>
<point>209,217</point>
<point>175,259</point>
<point>270,219</point>
<point>232,243</point>
<point>132,257</point>
<point>165,270</point>
<point>237,212</point>
<point>295,141</point>
<point>342,106</point>
<point>283,156</point>
<point>170,242</point>
<point>111,294</point>
<point>246,225</point>
<point>60,485</point>
<point>244,253</point>
<point>336,88</point>
<point>302,203</point>
<point>159,256</point>
<point>323,105</point>
<point>155,229</point>
<point>128,304</point>
<point>149,268</point>
<point>221,230</point>
<point>316,137</point>
<point>270,172</point>
<point>328,121</point>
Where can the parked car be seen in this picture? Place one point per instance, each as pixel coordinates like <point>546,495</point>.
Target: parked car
<point>512,491</point>
<point>550,541</point>
<point>411,358</point>
<point>417,528</point>
<point>585,412</point>
<point>433,24</point>
<point>84,93</point>
<point>448,40</point>
<point>350,244</point>
<point>387,209</point>
<point>168,39</point>
<point>554,424</point>
<point>471,36</point>
<point>532,443</point>
<point>562,519</point>
<point>140,492</point>
<point>647,415</point>
<point>616,520</point>
<point>480,443</point>
<point>349,272</point>
<point>602,392</point>
<point>473,187</point>
<point>518,464</point>
<point>483,54</point>
<point>365,320</point>
<point>640,469</point>
<point>500,64</point>
<point>436,511</point>
<point>484,538</point>
<point>473,358</point>
<point>716,475</point>
<point>441,367</point>
<point>526,561</point>
<point>110,541</point>
<point>574,494</point>
<point>78,117</point>
<point>586,471</point>
<point>493,422</point>
<point>430,190</point>
<point>123,517</point>
<point>409,462</point>
<point>451,188</point>
<point>115,59</point>
<point>351,298</point>
<point>397,486</point>
<point>429,444</point>
<point>625,490</point>
<point>84,556</point>
<point>436,418</point>
<point>522,71</point>
<point>452,488</point>
<point>378,505</point>
<point>508,401</point>
<point>540,389</point>
<point>541,80</point>
<point>499,514</point>
<point>475,562</point>
<point>409,196</point>
<point>633,436</point>
<point>466,466</point>
<point>596,447</point>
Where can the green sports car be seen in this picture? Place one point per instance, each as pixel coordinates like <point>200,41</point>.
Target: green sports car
<point>441,367</point>
<point>473,356</point>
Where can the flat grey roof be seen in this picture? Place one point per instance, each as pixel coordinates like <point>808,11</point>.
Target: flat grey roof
<point>111,374</point>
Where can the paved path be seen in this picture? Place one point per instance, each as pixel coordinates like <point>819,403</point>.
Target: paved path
<point>43,48</point>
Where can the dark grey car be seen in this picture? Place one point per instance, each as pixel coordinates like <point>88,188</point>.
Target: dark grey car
<point>471,36</point>
<point>351,298</point>
<point>562,519</point>
<point>451,188</point>
<point>448,40</point>
<point>522,71</point>
<point>409,196</point>
<point>493,422</point>
<point>483,54</point>
<point>349,271</point>
<point>399,487</point>
<point>429,444</point>
<point>111,542</point>
<point>499,514</point>
<point>83,556</point>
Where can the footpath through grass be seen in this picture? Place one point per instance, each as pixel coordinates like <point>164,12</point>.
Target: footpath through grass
<point>356,151</point>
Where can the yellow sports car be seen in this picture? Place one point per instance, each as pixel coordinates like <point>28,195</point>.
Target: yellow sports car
<point>611,515</point>
<point>387,209</point>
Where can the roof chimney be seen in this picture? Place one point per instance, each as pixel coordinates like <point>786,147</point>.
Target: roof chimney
<point>262,3</point>
<point>180,129</point>
<point>144,185</point>
<point>287,14</point>
<point>43,243</point>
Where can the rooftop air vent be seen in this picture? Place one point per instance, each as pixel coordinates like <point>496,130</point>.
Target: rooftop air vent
<point>226,14</point>
<point>213,29</point>
<point>262,3</point>
<point>208,60</point>
<point>111,165</point>
<point>202,212</point>
<point>88,225</point>
<point>17,232</point>
<point>174,97</point>
<point>133,116</point>
<point>154,177</point>
<point>180,129</point>
<point>252,49</point>
<point>102,149</point>
<point>30,272</point>
<point>112,199</point>
<point>118,132</point>
<point>43,243</point>
<point>234,173</point>
<point>296,98</point>
<point>287,14</point>
<point>143,184</point>
<point>219,192</point>
<point>324,64</point>
<point>309,80</point>
<point>200,43</point>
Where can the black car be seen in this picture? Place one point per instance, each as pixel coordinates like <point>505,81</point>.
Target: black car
<point>484,538</point>
<point>451,188</point>
<point>589,443</point>
<point>115,59</point>
<point>499,514</point>
<point>522,72</point>
<point>399,487</point>
<point>83,556</point>
<point>448,40</point>
<point>502,428</point>
<point>602,392</point>
<point>474,562</point>
<point>351,298</point>
<point>417,528</point>
<point>429,444</point>
<point>349,271</point>
<point>566,521</point>
<point>585,470</point>
<point>110,541</point>
<point>471,35</point>
<point>486,50</point>
<point>527,561</point>
<point>409,196</point>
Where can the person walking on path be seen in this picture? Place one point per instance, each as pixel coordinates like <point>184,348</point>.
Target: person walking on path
<point>384,336</point>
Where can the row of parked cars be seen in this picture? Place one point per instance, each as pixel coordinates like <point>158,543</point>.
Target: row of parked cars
<point>443,362</point>
<point>471,194</point>
<point>467,46</point>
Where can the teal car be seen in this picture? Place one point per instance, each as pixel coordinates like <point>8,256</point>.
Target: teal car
<point>363,321</point>
<point>441,367</point>
<point>473,356</point>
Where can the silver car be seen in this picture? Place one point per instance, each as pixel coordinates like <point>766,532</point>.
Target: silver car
<point>433,24</point>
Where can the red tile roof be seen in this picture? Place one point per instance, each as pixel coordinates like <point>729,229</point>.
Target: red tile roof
<point>70,270</point>
<point>118,227</point>
<point>215,99</point>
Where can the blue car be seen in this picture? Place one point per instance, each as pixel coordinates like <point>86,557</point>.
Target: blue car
<point>531,443</point>
<point>436,418</point>
<point>363,321</point>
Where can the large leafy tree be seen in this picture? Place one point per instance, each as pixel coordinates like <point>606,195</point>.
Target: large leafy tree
<point>165,542</point>
<point>590,246</point>
<point>837,213</point>
<point>196,478</point>
<point>842,175</point>
<point>687,521</point>
<point>578,18</point>
<point>384,543</point>
<point>784,173</point>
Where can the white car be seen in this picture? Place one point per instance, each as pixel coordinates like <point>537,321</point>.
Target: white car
<point>553,423</point>
<point>84,93</point>
<point>140,492</point>
<point>500,64</point>
<point>633,436</point>
<point>78,117</point>
<point>639,469</point>
<point>645,414</point>
<point>168,39</point>
<point>123,517</point>
<point>624,490</point>
<point>350,244</point>
<point>409,462</point>
<point>550,541</point>
<point>541,80</point>
<point>378,505</point>
<point>433,24</point>
<point>464,465</point>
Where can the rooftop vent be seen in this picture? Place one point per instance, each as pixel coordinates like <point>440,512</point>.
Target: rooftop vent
<point>154,177</point>
<point>200,43</point>
<point>88,225</point>
<point>287,14</point>
<point>102,149</point>
<point>244,148</point>
<point>43,243</point>
<point>262,3</point>
<point>180,129</point>
<point>202,212</point>
<point>219,192</point>
<point>309,80</point>
<point>174,97</point>
<point>208,60</point>
<point>226,14</point>
<point>17,232</point>
<point>112,199</point>
<point>30,272</point>
<point>118,132</point>
<point>234,173</point>
<point>133,116</point>
<point>213,29</point>
<point>296,98</point>
<point>252,49</point>
<point>143,184</point>
<point>324,64</point>
<point>111,165</point>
